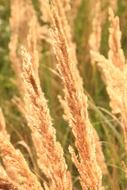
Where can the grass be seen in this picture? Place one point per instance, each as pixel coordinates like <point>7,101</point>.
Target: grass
<point>106,124</point>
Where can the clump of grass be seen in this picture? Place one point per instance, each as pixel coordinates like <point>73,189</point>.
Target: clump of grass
<point>88,169</point>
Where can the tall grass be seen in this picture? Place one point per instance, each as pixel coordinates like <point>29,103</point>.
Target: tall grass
<point>65,128</point>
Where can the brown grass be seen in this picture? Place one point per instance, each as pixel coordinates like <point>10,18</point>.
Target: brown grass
<point>25,48</point>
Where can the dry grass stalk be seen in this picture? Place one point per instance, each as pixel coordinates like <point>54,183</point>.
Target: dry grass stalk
<point>49,151</point>
<point>45,9</point>
<point>70,7</point>
<point>95,36</point>
<point>114,71</point>
<point>115,80</point>
<point>21,25</point>
<point>33,43</point>
<point>34,107</point>
<point>115,54</point>
<point>24,30</point>
<point>75,102</point>
<point>16,167</point>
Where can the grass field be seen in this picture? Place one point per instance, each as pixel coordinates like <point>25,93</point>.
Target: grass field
<point>62,38</point>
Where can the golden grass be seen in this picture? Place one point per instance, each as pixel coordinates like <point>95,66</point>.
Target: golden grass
<point>25,52</point>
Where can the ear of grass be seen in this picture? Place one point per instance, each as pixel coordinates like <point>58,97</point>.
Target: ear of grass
<point>49,152</point>
<point>33,104</point>
<point>75,101</point>
<point>14,162</point>
<point>114,73</point>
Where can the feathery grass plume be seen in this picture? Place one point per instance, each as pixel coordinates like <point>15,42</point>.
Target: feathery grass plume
<point>75,101</point>
<point>21,25</point>
<point>45,10</point>
<point>95,36</point>
<point>15,165</point>
<point>115,80</point>
<point>33,42</point>
<point>114,71</point>
<point>115,54</point>
<point>24,29</point>
<point>49,152</point>
<point>46,16</point>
